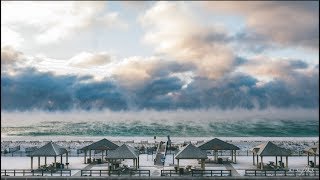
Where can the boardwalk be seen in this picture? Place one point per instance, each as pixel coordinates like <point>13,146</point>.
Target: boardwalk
<point>160,155</point>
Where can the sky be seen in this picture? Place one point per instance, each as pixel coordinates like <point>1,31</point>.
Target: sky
<point>119,56</point>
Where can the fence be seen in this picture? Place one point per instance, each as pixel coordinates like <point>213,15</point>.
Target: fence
<point>196,173</point>
<point>129,172</point>
<point>29,172</point>
<point>281,173</point>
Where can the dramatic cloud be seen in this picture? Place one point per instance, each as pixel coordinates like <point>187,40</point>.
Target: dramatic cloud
<point>30,89</point>
<point>286,23</point>
<point>133,72</point>
<point>176,33</point>
<point>54,21</point>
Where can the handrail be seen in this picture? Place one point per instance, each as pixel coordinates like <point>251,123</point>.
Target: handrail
<point>250,172</point>
<point>38,172</point>
<point>197,172</point>
<point>130,172</point>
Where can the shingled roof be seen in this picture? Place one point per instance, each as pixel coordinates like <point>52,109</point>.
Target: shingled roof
<point>313,149</point>
<point>123,152</point>
<point>50,149</point>
<point>217,144</point>
<point>103,144</point>
<point>270,149</point>
<point>191,152</point>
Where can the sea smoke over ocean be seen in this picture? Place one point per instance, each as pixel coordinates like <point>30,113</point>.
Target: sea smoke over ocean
<point>211,122</point>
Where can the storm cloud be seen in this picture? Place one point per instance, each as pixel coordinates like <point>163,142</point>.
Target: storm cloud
<point>30,89</point>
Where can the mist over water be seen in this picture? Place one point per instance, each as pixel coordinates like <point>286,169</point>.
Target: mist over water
<point>181,123</point>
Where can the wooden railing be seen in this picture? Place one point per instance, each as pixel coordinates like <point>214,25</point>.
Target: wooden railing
<point>29,172</point>
<point>130,172</point>
<point>313,172</point>
<point>196,173</point>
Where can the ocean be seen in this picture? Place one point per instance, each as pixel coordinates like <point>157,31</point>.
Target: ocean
<point>204,123</point>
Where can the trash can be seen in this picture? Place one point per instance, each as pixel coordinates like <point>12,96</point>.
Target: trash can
<point>181,171</point>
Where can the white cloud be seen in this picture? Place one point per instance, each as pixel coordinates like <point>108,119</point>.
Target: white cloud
<point>53,21</point>
<point>10,38</point>
<point>175,32</point>
<point>86,59</point>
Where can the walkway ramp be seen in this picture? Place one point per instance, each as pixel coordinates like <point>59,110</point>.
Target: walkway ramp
<point>230,167</point>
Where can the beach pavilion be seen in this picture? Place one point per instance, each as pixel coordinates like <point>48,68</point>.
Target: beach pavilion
<point>217,144</point>
<point>49,150</point>
<point>269,149</point>
<point>192,152</point>
<point>314,150</point>
<point>124,152</point>
<point>103,145</point>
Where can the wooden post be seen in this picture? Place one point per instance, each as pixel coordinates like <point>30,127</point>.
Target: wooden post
<point>315,159</point>
<point>215,155</point>
<point>286,161</point>
<point>235,156</point>
<point>257,160</point>
<point>253,158</point>
<point>102,156</point>
<point>67,158</point>
<point>134,163</point>
<point>232,155</point>
<point>308,158</point>
<point>55,161</point>
<point>202,164</point>
<point>261,162</point>
<point>31,162</point>
<point>138,162</point>
<point>45,160</point>
<point>90,155</point>
<point>85,156</point>
<point>276,161</point>
<point>178,163</point>
<point>38,162</point>
<point>281,161</point>
<point>61,159</point>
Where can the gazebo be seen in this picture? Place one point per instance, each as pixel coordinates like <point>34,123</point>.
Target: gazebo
<point>124,152</point>
<point>102,145</point>
<point>192,152</point>
<point>269,149</point>
<point>217,144</point>
<point>313,150</point>
<point>49,150</point>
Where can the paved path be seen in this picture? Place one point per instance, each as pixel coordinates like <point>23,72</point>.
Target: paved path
<point>230,167</point>
<point>89,166</point>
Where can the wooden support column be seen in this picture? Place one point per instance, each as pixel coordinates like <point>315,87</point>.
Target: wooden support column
<point>138,162</point>
<point>90,155</point>
<point>45,160</point>
<point>55,161</point>
<point>38,162</point>
<point>31,162</point>
<point>281,161</point>
<point>257,160</point>
<point>276,161</point>
<point>102,156</point>
<point>308,158</point>
<point>232,155</point>
<point>216,155</point>
<point>67,158</point>
<point>315,159</point>
<point>202,164</point>
<point>261,162</point>
<point>253,161</point>
<point>178,163</point>
<point>61,159</point>
<point>235,156</point>
<point>286,161</point>
<point>85,156</point>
